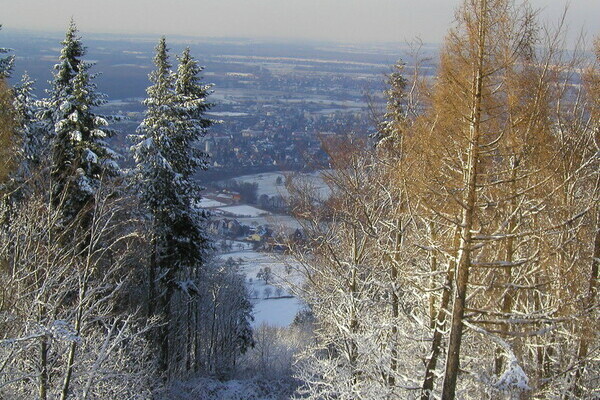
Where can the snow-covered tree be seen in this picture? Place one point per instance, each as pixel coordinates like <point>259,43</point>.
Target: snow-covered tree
<point>492,202</point>
<point>265,274</point>
<point>191,98</point>
<point>81,157</point>
<point>166,159</point>
<point>389,129</point>
<point>357,269</point>
<point>223,319</point>
<point>7,136</point>
<point>69,326</point>
<point>6,63</point>
<point>33,136</point>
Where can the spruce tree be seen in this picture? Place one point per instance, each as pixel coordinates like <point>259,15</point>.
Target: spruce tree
<point>31,133</point>
<point>6,63</point>
<point>166,160</point>
<point>192,102</point>
<point>389,130</point>
<point>81,156</point>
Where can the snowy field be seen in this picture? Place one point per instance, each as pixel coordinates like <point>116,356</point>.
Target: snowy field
<point>273,302</point>
<point>276,312</point>
<point>276,222</point>
<point>244,211</point>
<point>209,203</point>
<point>267,183</point>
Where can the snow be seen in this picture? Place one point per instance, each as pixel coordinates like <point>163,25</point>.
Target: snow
<point>276,311</point>
<point>90,157</point>
<point>267,183</point>
<point>209,203</point>
<point>83,182</point>
<point>110,165</point>
<point>212,389</point>
<point>513,377</point>
<point>99,121</point>
<point>62,330</point>
<point>99,133</point>
<point>244,211</point>
<point>277,222</point>
<point>65,106</point>
<point>280,308</point>
<point>227,114</point>
<point>76,136</point>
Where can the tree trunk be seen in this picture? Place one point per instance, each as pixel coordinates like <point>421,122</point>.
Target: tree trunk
<point>78,319</point>
<point>67,381</point>
<point>351,347</point>
<point>152,278</point>
<point>165,330</point>
<point>440,323</point>
<point>43,382</point>
<point>395,306</point>
<point>507,300</point>
<point>466,242</point>
<point>586,336</point>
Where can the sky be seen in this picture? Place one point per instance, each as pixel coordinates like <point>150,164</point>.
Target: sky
<point>328,20</point>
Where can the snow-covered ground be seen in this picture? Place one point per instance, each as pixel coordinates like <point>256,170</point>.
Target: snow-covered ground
<point>243,211</point>
<point>276,312</point>
<point>213,389</point>
<point>273,301</point>
<point>276,222</point>
<point>210,203</point>
<point>267,182</point>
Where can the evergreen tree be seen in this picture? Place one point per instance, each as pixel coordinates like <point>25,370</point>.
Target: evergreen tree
<point>166,160</point>
<point>30,130</point>
<point>6,63</point>
<point>81,156</point>
<point>191,97</point>
<point>389,129</point>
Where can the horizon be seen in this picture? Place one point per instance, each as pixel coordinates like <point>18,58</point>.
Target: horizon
<point>328,21</point>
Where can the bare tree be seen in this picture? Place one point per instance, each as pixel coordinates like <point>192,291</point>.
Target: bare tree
<point>480,214</point>
<point>67,327</point>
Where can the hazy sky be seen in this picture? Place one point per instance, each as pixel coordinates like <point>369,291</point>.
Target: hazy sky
<point>336,20</point>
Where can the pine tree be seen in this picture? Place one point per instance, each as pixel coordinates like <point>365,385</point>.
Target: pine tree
<point>166,159</point>
<point>81,156</point>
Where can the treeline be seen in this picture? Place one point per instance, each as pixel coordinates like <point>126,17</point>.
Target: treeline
<point>459,258</point>
<point>110,288</point>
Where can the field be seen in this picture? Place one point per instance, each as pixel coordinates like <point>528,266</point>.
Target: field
<point>274,303</point>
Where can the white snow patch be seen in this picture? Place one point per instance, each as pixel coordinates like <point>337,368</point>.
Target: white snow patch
<point>244,211</point>
<point>209,203</point>
<point>276,311</point>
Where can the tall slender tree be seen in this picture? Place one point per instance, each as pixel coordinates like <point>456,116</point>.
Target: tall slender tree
<point>7,116</point>
<point>30,129</point>
<point>6,63</point>
<point>81,157</point>
<point>166,160</point>
<point>7,134</point>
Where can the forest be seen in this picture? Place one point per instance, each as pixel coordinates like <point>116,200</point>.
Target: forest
<point>457,256</point>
